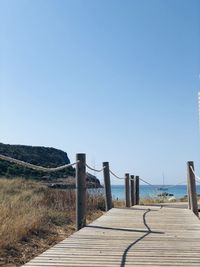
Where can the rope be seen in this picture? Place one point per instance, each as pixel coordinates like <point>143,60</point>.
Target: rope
<point>157,188</point>
<point>154,188</point>
<point>197,177</point>
<point>92,169</point>
<point>116,175</point>
<point>35,167</point>
<point>145,182</point>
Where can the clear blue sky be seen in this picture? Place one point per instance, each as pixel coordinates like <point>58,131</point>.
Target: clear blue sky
<point>115,79</point>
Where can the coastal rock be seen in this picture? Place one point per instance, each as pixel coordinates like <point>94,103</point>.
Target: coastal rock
<point>42,156</point>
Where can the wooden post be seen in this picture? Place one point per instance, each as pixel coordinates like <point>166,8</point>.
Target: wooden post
<point>108,195</point>
<point>188,192</point>
<point>137,191</point>
<point>132,190</point>
<point>80,191</point>
<point>127,191</point>
<point>192,196</point>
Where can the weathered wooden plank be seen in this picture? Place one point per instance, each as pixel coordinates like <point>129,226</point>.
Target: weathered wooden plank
<point>138,236</point>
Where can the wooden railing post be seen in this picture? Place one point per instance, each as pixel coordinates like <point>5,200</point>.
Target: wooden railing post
<point>132,190</point>
<point>192,195</point>
<point>80,191</point>
<point>127,190</point>
<point>188,190</point>
<point>136,191</point>
<point>108,195</point>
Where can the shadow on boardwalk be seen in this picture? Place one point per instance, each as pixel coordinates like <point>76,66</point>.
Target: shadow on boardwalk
<point>124,256</point>
<point>146,233</point>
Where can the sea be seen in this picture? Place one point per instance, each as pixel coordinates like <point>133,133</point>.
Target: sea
<point>178,191</point>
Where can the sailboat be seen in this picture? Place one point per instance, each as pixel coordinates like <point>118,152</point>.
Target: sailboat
<point>164,189</point>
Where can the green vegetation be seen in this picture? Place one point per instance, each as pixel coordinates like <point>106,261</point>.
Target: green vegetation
<point>42,156</point>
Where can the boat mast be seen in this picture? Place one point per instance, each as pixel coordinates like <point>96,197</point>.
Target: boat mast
<point>163,179</point>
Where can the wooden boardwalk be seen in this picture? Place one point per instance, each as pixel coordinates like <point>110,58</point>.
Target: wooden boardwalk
<point>138,236</point>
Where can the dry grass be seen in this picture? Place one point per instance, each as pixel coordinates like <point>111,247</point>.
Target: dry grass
<point>33,215</point>
<point>185,199</point>
<point>149,200</point>
<point>155,200</point>
<point>118,203</point>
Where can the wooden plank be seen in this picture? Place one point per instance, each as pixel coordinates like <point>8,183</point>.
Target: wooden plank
<point>138,236</point>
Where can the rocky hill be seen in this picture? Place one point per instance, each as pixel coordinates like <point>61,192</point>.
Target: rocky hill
<point>41,156</point>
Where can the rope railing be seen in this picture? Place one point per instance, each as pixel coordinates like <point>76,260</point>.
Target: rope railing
<point>146,182</point>
<point>45,169</point>
<point>196,176</point>
<point>93,169</point>
<point>154,188</point>
<point>36,167</point>
<point>132,190</point>
<point>120,178</point>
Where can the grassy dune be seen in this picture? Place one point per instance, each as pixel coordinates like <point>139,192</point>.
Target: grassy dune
<point>34,218</point>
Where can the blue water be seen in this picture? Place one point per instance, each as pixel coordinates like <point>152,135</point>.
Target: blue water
<point>147,191</point>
